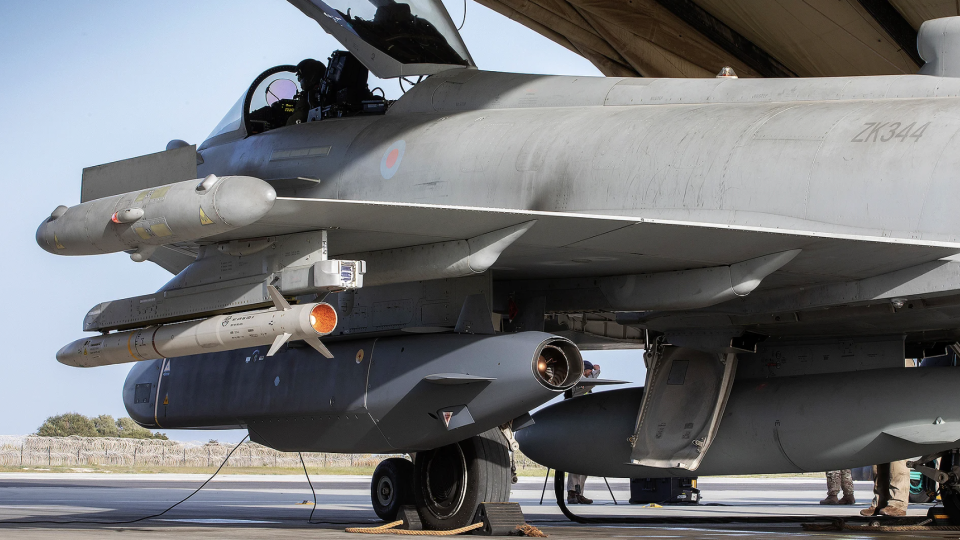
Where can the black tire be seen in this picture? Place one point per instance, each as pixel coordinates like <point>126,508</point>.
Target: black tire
<point>951,503</point>
<point>949,497</point>
<point>391,487</point>
<point>451,482</point>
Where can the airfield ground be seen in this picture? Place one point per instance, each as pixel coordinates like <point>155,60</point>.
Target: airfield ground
<point>248,506</point>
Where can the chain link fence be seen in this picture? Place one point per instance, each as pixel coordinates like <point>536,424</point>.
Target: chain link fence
<point>33,451</point>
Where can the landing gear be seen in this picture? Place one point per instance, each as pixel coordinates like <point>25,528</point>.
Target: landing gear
<point>391,487</point>
<point>451,482</point>
<point>947,475</point>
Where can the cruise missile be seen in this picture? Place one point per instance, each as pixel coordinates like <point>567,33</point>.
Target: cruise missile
<point>773,425</point>
<point>145,219</point>
<point>276,326</point>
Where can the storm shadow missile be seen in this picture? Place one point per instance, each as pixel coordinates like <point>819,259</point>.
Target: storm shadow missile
<point>145,219</point>
<point>408,392</point>
<point>307,322</point>
<point>777,425</point>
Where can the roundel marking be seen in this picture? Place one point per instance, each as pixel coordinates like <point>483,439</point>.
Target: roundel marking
<point>391,159</point>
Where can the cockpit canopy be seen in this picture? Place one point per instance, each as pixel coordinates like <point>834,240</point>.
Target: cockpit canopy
<point>393,38</point>
<point>277,98</point>
<point>266,104</point>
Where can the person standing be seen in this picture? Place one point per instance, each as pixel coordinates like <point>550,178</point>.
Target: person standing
<point>575,482</point>
<point>839,481</point>
<point>891,490</point>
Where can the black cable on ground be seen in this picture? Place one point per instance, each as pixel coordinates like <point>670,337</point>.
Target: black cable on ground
<point>125,522</point>
<point>310,519</point>
<point>558,487</point>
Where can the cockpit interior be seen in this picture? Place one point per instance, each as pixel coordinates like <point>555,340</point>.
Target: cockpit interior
<point>277,96</point>
<point>396,39</point>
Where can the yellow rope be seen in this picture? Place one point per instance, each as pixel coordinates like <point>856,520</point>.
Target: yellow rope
<point>389,529</point>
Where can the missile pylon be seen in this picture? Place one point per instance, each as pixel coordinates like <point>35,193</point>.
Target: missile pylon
<point>275,326</point>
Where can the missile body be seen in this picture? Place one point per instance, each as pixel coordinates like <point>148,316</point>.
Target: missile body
<point>215,334</point>
<point>143,220</point>
<point>807,423</point>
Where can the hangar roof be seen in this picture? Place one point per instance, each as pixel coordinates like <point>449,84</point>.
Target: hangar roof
<point>758,38</point>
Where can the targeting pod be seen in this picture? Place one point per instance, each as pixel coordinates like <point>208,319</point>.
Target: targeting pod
<point>306,322</point>
<point>143,220</point>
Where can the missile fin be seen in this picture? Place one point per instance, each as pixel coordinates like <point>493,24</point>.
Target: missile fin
<point>278,300</point>
<point>319,346</point>
<point>277,343</point>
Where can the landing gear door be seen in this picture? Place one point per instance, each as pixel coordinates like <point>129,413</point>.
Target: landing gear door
<point>683,401</point>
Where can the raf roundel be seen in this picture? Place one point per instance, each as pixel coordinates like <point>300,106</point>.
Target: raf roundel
<point>391,159</point>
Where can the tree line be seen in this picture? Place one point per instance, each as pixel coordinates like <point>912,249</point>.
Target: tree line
<point>65,425</point>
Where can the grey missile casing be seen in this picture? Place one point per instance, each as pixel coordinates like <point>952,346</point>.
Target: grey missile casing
<point>778,425</point>
<point>153,217</point>
<point>220,333</point>
<point>374,395</point>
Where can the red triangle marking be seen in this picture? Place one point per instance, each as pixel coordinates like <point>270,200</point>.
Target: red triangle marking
<point>447,415</point>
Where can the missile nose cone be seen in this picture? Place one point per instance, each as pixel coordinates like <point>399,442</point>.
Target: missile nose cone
<point>242,200</point>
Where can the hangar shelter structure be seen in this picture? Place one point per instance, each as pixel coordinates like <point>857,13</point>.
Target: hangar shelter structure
<point>758,38</point>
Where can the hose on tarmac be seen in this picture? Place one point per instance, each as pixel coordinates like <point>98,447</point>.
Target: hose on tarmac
<point>389,528</point>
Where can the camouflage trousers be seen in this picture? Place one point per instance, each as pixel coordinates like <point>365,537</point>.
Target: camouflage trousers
<point>839,481</point>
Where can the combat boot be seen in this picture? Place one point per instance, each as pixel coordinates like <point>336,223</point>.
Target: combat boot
<point>572,497</point>
<point>831,499</point>
<point>893,511</point>
<point>869,512</point>
<point>583,500</point>
<point>847,499</point>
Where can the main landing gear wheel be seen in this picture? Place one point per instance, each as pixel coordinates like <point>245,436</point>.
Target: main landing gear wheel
<point>951,503</point>
<point>391,487</point>
<point>949,495</point>
<point>451,482</point>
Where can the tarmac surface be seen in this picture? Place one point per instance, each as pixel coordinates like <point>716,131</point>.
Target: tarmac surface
<point>36,505</point>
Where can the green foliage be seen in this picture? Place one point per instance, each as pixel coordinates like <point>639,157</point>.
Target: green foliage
<point>106,426</point>
<point>130,430</point>
<point>68,424</point>
<point>65,425</point>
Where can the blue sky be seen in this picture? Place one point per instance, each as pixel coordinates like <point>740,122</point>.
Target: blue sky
<point>89,82</point>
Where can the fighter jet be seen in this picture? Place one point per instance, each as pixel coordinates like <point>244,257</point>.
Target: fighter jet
<point>415,276</point>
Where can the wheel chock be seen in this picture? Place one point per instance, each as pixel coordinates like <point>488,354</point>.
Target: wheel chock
<point>499,519</point>
<point>939,516</point>
<point>410,518</point>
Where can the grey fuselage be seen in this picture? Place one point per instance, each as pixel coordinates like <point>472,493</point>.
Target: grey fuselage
<point>871,156</point>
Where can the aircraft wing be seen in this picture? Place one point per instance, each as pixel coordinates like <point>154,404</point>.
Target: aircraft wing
<point>582,244</point>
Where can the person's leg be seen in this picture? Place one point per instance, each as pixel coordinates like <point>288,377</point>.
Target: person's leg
<point>846,484</point>
<point>877,482</point>
<point>898,490</point>
<point>574,486</point>
<point>580,497</point>
<point>833,487</point>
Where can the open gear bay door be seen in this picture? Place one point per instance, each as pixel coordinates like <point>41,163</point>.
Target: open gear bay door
<point>683,401</point>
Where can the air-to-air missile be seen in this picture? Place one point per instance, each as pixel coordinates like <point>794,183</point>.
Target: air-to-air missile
<point>307,322</point>
<point>144,219</point>
<point>775,425</point>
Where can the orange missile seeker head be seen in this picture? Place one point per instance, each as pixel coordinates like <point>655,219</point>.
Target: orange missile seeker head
<point>323,318</point>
